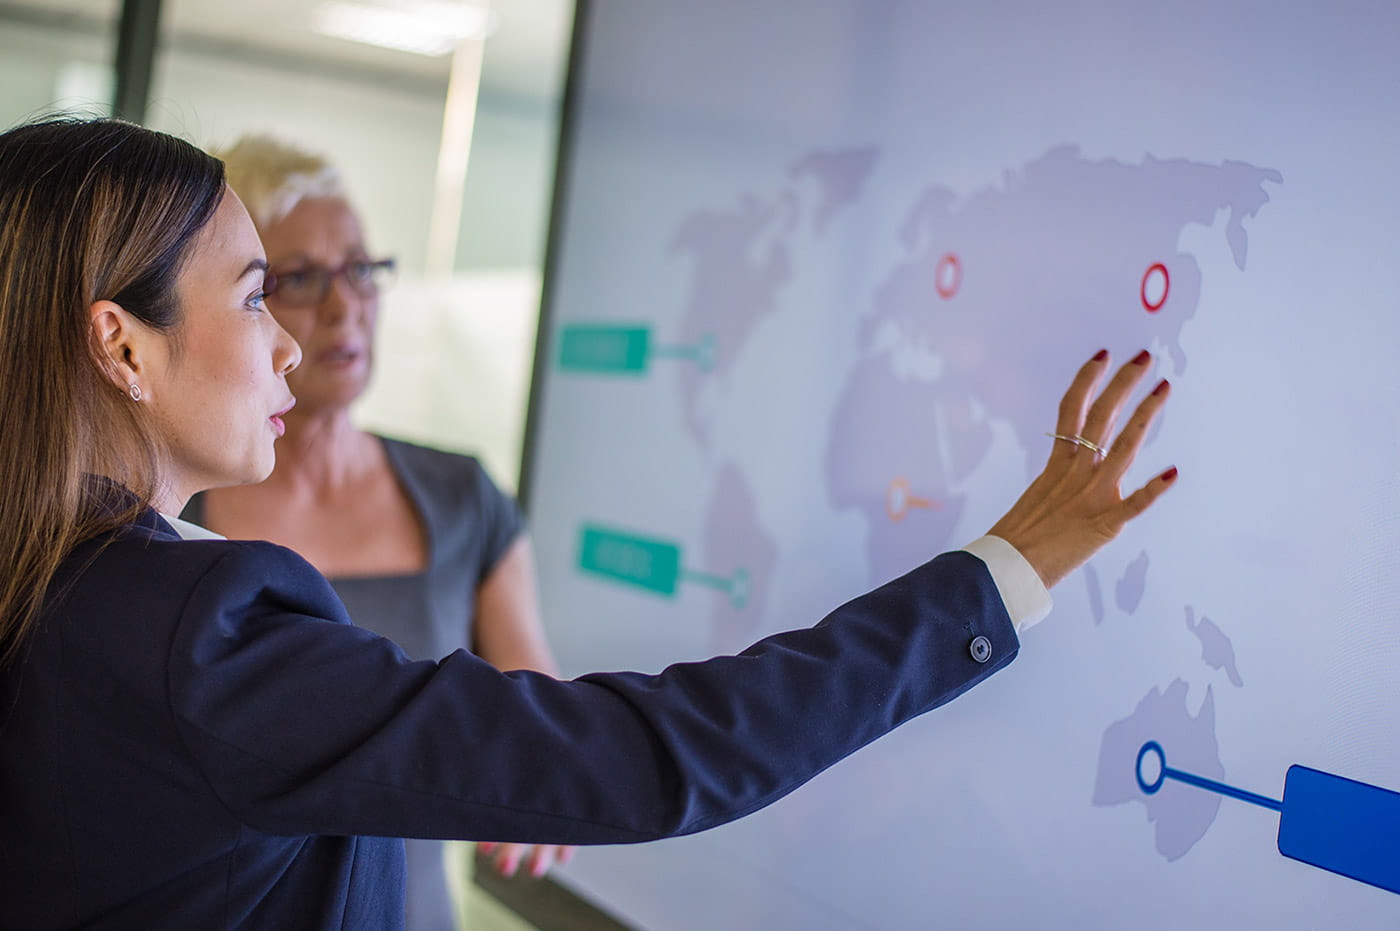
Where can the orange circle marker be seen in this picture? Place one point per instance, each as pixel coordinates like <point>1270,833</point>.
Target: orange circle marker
<point>899,500</point>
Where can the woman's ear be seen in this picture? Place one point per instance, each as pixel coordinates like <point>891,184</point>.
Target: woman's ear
<point>118,339</point>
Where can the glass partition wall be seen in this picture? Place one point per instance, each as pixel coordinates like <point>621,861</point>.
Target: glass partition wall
<point>457,329</point>
<point>56,56</point>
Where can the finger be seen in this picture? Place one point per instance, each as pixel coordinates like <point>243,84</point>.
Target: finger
<point>508,859</point>
<point>565,854</point>
<point>1126,445</point>
<point>1074,404</point>
<point>541,859</point>
<point>1142,499</point>
<point>1104,411</point>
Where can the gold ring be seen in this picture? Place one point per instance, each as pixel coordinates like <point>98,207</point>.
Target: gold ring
<point>1078,440</point>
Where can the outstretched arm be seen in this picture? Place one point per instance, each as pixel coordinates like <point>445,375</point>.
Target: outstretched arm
<point>302,723</point>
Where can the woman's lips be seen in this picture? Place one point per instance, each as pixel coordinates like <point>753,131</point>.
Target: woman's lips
<point>340,356</point>
<point>278,423</point>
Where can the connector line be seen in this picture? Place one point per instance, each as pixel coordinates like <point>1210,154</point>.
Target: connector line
<point>1191,779</point>
<point>736,586</point>
<point>702,353</point>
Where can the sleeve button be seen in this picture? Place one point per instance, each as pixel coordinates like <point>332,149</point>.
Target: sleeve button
<point>981,649</point>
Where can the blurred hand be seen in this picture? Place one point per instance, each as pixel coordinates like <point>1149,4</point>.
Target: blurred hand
<point>1074,506</point>
<point>537,859</point>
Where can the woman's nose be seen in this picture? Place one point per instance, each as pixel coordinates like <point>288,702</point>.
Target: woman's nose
<point>286,354</point>
<point>340,301</point>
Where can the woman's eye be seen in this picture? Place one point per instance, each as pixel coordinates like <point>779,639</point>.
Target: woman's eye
<point>258,301</point>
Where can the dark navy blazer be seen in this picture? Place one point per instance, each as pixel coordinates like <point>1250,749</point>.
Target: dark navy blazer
<point>197,737</point>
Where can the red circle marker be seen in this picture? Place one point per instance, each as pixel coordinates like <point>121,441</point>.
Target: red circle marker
<point>947,275</point>
<point>1147,303</point>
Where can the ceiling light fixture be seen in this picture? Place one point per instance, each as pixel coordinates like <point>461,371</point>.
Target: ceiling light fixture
<point>424,27</point>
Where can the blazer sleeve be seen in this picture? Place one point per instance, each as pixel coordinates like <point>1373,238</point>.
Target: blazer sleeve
<point>302,723</point>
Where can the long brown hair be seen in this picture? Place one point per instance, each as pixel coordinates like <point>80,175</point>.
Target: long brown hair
<point>90,210</point>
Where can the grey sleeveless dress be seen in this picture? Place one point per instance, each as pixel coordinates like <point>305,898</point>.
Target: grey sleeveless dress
<point>469,525</point>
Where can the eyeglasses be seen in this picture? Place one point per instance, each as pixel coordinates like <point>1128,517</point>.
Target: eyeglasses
<point>307,285</point>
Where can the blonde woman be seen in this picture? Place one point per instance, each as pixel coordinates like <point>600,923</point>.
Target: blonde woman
<point>419,544</point>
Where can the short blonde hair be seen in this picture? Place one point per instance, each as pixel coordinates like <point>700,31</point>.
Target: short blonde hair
<point>272,177</point>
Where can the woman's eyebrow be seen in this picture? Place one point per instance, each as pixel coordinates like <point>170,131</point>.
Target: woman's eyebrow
<point>257,265</point>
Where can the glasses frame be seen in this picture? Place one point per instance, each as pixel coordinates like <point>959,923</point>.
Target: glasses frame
<point>378,269</point>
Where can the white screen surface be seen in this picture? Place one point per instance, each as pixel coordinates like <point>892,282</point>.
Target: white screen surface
<point>824,270</point>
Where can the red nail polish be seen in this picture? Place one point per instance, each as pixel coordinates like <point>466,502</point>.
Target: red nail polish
<point>1101,355</point>
<point>1162,386</point>
<point>1142,357</point>
<point>1169,475</point>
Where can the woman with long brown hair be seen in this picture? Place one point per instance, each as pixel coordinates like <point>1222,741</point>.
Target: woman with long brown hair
<point>192,732</point>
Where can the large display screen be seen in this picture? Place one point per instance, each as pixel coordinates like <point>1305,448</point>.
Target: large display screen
<point>821,272</point>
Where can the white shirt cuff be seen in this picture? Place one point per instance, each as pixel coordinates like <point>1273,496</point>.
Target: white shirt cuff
<point>1026,598</point>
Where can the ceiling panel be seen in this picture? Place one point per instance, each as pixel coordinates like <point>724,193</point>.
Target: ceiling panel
<point>524,57</point>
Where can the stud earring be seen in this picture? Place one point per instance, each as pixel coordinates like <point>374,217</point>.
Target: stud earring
<point>135,392</point>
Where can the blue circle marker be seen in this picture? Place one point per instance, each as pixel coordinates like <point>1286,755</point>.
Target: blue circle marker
<point>1151,746</point>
